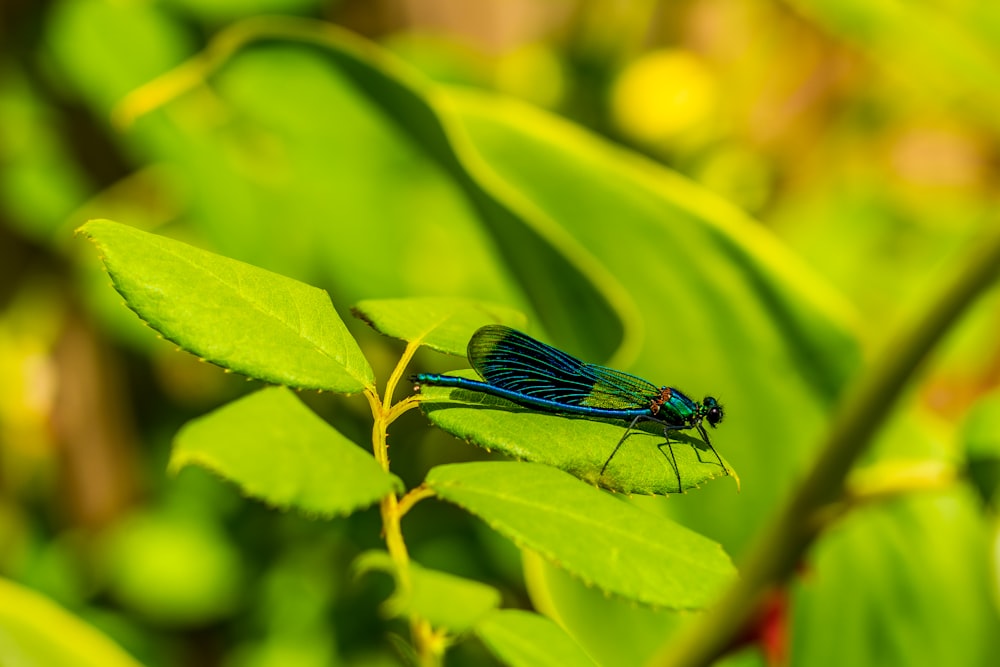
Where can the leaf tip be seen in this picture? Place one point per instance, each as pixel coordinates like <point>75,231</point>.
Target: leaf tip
<point>178,459</point>
<point>87,228</point>
<point>360,314</point>
<point>84,229</point>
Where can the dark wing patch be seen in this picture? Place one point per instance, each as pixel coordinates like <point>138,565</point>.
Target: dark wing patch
<point>512,360</point>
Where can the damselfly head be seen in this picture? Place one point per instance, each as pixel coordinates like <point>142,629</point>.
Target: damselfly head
<point>713,411</point>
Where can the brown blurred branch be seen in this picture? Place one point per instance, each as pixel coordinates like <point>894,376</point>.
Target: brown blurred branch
<point>91,424</point>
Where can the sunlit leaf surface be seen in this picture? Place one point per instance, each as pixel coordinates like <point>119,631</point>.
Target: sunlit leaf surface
<point>35,631</point>
<point>496,200</point>
<point>444,600</point>
<point>862,133</point>
<point>276,449</point>
<point>235,315</point>
<point>615,631</point>
<point>523,639</point>
<point>596,537</point>
<point>725,309</point>
<point>915,597</point>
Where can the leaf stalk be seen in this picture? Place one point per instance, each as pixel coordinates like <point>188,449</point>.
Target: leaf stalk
<point>428,644</point>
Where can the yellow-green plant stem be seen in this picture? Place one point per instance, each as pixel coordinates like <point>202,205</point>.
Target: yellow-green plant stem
<point>414,496</point>
<point>426,642</point>
<point>865,407</point>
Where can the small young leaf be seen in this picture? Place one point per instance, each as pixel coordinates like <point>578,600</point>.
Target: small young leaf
<point>523,639</point>
<point>579,446</point>
<point>279,451</point>
<point>233,314</point>
<point>36,631</point>
<point>441,324</point>
<point>600,539</point>
<point>444,600</point>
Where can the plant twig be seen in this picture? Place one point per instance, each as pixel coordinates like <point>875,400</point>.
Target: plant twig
<point>862,412</point>
<point>403,406</point>
<point>395,377</point>
<point>413,497</point>
<point>424,640</point>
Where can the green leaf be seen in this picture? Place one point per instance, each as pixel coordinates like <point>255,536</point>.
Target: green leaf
<point>36,632</point>
<point>471,237</point>
<point>615,631</point>
<point>279,451</point>
<point>603,248</point>
<point>600,539</point>
<point>235,315</point>
<point>722,307</point>
<point>578,446</point>
<point>444,600</point>
<point>442,324</point>
<point>523,639</point>
<point>903,583</point>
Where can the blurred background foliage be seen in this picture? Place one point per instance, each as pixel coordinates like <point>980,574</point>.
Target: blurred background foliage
<point>861,136</point>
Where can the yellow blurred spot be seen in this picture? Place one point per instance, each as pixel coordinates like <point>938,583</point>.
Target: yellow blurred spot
<point>663,94</point>
<point>29,328</point>
<point>894,477</point>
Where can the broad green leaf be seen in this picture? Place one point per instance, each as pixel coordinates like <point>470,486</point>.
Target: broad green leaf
<point>597,244</point>
<point>902,576</point>
<point>442,324</point>
<point>615,631</point>
<point>390,154</point>
<point>724,309</point>
<point>643,464</point>
<point>523,639</point>
<point>903,583</point>
<point>600,539</point>
<point>36,632</point>
<point>276,449</point>
<point>235,315</point>
<point>444,600</point>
